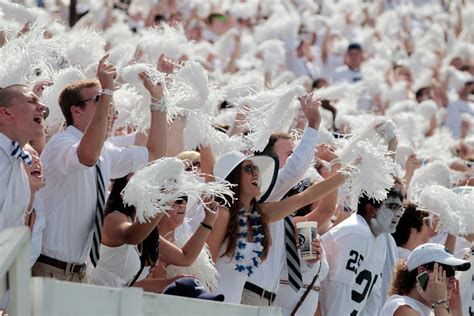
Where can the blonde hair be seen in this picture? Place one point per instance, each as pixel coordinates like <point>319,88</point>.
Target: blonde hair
<point>189,157</point>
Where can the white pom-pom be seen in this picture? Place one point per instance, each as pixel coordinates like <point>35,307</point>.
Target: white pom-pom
<point>436,172</point>
<point>167,40</point>
<point>127,100</point>
<point>153,189</point>
<point>224,46</point>
<point>273,52</point>
<point>131,72</point>
<point>51,96</point>
<point>203,267</point>
<point>445,203</point>
<point>84,47</point>
<point>268,110</point>
<point>16,12</point>
<point>373,175</point>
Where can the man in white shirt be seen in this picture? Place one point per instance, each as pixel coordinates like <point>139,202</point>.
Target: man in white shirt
<point>74,160</point>
<point>21,120</point>
<point>350,72</point>
<point>262,285</point>
<point>356,252</point>
<point>457,108</point>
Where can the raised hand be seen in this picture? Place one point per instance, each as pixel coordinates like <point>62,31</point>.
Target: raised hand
<point>106,73</point>
<point>156,91</point>
<point>310,107</point>
<point>38,88</point>
<point>165,64</point>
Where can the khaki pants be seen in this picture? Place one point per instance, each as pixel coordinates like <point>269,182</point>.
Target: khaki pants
<point>251,298</point>
<point>40,269</point>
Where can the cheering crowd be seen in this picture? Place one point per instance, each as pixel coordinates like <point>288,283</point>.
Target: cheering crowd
<point>177,146</point>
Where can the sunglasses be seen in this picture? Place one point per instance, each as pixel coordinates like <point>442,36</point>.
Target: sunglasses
<point>181,200</point>
<point>94,98</point>
<point>251,169</point>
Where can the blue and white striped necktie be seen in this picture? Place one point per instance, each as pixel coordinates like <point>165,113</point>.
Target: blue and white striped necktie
<point>19,153</point>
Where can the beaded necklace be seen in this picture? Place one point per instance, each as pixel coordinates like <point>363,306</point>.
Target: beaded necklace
<point>255,220</point>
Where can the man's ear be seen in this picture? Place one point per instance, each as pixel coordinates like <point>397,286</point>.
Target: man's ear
<point>75,110</point>
<point>5,113</point>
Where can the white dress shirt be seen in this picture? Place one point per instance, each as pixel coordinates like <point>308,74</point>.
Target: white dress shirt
<point>70,194</point>
<point>14,187</point>
<point>268,276</point>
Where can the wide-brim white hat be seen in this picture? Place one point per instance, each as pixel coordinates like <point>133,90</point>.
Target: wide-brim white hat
<point>267,165</point>
<point>430,252</point>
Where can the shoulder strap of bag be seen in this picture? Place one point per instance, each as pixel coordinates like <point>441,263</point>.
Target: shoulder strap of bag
<point>305,294</point>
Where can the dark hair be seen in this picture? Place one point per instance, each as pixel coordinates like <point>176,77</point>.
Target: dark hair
<point>402,280</point>
<point>71,96</point>
<point>364,200</point>
<point>419,93</point>
<point>354,46</point>
<point>232,232</point>
<point>268,150</point>
<point>215,16</point>
<point>412,218</point>
<point>149,247</point>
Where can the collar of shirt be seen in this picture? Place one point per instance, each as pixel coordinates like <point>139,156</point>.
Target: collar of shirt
<point>6,145</point>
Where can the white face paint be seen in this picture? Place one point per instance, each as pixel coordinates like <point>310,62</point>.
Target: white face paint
<point>388,216</point>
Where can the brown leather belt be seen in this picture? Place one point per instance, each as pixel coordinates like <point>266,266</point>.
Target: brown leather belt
<point>66,266</point>
<point>314,288</point>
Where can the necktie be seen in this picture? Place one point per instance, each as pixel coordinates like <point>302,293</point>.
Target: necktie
<point>99,217</point>
<point>18,153</point>
<point>292,258</point>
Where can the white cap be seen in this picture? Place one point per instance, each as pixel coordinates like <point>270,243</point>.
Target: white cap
<point>431,252</point>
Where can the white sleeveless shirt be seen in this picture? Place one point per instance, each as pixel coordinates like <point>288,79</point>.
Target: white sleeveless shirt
<point>117,266</point>
<point>396,301</point>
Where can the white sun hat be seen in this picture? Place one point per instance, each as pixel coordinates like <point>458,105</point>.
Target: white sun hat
<point>430,252</point>
<point>267,165</point>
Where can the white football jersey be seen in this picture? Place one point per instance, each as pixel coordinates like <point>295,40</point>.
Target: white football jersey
<point>356,259</point>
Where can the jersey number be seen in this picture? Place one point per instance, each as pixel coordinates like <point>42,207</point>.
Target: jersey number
<point>354,261</point>
<point>364,276</point>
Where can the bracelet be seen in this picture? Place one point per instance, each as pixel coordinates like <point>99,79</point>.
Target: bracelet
<point>107,92</point>
<point>206,226</point>
<point>440,304</point>
<point>159,105</point>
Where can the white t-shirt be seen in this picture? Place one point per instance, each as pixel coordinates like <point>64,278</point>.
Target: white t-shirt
<point>343,73</point>
<point>396,301</point>
<point>455,110</point>
<point>356,259</point>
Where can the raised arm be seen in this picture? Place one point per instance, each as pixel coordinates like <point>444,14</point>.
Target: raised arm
<point>185,256</point>
<point>117,230</point>
<point>207,162</point>
<point>158,133</point>
<point>95,134</point>
<point>278,210</point>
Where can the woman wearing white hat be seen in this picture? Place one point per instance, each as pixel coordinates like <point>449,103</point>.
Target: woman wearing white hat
<point>425,285</point>
<point>240,239</point>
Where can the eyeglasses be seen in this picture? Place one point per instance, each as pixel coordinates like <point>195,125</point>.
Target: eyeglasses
<point>394,207</point>
<point>94,98</point>
<point>181,200</point>
<point>251,169</point>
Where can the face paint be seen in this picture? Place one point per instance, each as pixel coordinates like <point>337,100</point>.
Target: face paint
<point>388,216</point>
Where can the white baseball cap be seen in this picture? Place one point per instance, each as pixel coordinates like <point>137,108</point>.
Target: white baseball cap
<point>267,165</point>
<point>430,252</point>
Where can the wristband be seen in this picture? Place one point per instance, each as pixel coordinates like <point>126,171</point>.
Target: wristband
<point>159,105</point>
<point>335,161</point>
<point>107,92</point>
<point>206,226</point>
